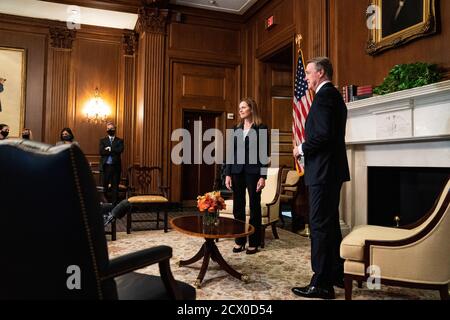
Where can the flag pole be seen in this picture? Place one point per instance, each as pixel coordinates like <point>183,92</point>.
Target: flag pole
<point>298,41</point>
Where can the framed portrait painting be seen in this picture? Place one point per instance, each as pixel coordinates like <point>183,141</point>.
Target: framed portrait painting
<point>12,89</point>
<point>399,21</point>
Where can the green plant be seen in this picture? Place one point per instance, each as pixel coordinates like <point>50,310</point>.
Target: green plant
<point>406,76</point>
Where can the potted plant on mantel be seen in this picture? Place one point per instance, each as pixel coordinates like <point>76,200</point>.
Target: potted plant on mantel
<point>407,76</point>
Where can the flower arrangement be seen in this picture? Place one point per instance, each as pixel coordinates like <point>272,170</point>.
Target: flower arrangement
<point>211,202</point>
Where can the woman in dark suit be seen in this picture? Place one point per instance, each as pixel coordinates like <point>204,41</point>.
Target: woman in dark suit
<point>248,170</point>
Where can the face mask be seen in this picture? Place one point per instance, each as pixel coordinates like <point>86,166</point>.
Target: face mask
<point>67,138</point>
<point>111,132</point>
<point>4,133</point>
<point>25,136</point>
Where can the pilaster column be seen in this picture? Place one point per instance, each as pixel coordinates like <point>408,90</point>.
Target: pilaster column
<point>151,27</point>
<point>318,26</point>
<point>58,79</point>
<point>126,125</point>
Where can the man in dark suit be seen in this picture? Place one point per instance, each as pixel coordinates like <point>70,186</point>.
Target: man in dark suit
<point>326,168</point>
<point>111,148</point>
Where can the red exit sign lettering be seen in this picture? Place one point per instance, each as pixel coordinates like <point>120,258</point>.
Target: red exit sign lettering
<point>270,22</point>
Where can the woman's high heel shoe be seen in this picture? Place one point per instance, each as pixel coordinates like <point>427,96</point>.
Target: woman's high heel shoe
<point>240,249</point>
<point>252,251</point>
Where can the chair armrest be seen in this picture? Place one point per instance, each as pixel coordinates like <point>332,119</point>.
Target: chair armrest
<point>289,185</point>
<point>136,260</point>
<point>143,258</point>
<point>164,190</point>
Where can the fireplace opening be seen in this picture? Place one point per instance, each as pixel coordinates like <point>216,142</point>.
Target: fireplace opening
<point>403,192</point>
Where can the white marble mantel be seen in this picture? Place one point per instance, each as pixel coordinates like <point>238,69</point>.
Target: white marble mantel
<point>414,114</point>
<point>410,128</point>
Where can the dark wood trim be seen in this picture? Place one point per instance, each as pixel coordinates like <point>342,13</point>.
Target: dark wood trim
<point>349,278</point>
<point>250,230</point>
<point>275,44</point>
<point>426,216</point>
<point>202,13</point>
<point>210,58</point>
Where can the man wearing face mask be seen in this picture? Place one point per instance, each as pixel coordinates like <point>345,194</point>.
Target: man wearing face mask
<point>26,134</point>
<point>4,131</point>
<point>111,148</point>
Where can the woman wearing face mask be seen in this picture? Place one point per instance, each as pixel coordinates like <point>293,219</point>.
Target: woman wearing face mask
<point>4,131</point>
<point>66,137</point>
<point>27,134</point>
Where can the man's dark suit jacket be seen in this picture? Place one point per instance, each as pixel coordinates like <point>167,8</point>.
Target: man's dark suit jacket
<point>116,151</point>
<point>324,147</point>
<point>248,167</point>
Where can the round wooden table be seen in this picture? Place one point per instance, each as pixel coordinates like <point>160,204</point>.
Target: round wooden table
<point>227,228</point>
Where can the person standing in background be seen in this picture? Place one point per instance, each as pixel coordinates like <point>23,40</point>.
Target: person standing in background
<point>2,81</point>
<point>111,148</point>
<point>66,136</point>
<point>4,131</point>
<point>27,134</point>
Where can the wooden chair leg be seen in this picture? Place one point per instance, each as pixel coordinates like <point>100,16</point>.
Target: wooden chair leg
<point>263,236</point>
<point>113,231</point>
<point>157,220</point>
<point>165,221</point>
<point>129,222</point>
<point>443,292</point>
<point>360,284</point>
<point>274,230</point>
<point>348,287</point>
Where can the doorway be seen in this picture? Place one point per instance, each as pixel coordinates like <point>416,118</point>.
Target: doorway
<point>276,93</point>
<point>198,178</point>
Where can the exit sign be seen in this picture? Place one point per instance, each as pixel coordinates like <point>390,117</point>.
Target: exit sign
<point>270,22</point>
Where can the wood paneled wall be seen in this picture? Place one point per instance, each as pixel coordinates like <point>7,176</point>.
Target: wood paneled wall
<point>203,61</point>
<point>204,58</point>
<point>63,69</point>
<point>349,34</point>
<point>17,32</point>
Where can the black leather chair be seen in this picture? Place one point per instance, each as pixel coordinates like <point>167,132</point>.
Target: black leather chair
<point>53,241</point>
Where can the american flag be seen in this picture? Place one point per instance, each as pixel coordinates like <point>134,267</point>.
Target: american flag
<point>301,105</point>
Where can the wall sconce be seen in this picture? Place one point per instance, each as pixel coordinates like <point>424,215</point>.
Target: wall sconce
<point>96,110</point>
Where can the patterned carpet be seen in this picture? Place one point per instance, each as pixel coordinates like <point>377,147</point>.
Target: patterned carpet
<point>284,263</point>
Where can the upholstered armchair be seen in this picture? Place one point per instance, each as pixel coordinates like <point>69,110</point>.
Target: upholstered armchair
<point>53,241</point>
<point>288,192</point>
<point>270,204</point>
<point>416,256</point>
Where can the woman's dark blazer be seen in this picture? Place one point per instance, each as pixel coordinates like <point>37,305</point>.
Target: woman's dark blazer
<point>260,167</point>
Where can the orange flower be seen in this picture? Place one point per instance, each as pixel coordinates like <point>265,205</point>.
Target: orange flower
<point>211,202</point>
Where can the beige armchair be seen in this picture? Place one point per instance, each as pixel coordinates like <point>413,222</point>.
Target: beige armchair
<point>270,204</point>
<point>417,256</point>
<point>289,188</point>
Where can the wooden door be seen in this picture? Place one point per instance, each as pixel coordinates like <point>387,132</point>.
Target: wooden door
<point>198,178</point>
<point>277,96</point>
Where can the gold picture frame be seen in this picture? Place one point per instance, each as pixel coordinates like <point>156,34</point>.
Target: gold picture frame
<point>12,95</point>
<point>399,22</point>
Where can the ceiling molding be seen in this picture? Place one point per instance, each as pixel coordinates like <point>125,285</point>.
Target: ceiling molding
<point>237,7</point>
<point>129,6</point>
<point>73,16</point>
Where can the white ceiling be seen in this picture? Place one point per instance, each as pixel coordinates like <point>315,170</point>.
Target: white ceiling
<point>107,18</point>
<point>62,12</point>
<point>230,6</point>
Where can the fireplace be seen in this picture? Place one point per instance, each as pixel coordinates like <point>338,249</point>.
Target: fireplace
<point>401,143</point>
<point>404,192</point>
